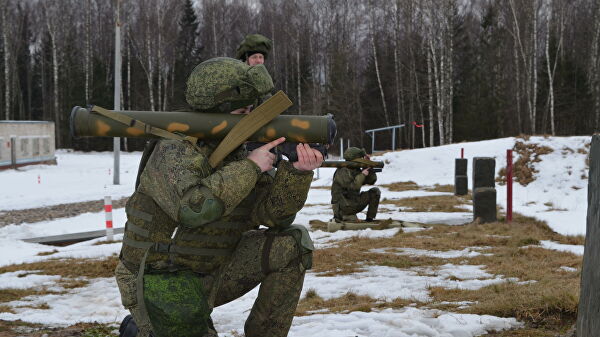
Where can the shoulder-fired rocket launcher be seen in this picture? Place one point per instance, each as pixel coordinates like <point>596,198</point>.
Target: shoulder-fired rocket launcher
<point>85,122</point>
<point>318,131</point>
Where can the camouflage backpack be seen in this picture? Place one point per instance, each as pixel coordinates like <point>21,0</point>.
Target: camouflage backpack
<point>252,44</point>
<point>223,84</point>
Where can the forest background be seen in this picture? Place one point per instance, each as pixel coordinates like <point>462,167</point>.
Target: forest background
<point>464,70</point>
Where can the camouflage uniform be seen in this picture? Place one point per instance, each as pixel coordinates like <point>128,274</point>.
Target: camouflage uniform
<point>346,197</point>
<point>192,233</point>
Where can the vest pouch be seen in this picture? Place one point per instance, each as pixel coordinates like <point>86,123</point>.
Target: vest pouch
<point>176,304</point>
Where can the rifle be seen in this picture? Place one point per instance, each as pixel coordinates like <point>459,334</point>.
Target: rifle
<point>289,150</point>
<point>360,163</point>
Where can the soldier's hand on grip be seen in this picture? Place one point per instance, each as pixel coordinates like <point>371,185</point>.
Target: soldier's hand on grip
<point>366,171</point>
<point>262,157</point>
<point>308,158</point>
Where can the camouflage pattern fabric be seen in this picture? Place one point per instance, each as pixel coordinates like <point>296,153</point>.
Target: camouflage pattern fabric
<point>346,197</point>
<point>223,84</point>
<point>280,286</point>
<point>252,44</point>
<point>177,175</point>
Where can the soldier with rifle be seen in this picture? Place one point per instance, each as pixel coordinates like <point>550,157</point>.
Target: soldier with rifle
<point>192,239</point>
<point>346,197</point>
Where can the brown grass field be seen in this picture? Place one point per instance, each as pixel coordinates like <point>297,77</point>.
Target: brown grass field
<point>547,304</point>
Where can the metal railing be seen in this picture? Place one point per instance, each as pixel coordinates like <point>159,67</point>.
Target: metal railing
<point>393,128</point>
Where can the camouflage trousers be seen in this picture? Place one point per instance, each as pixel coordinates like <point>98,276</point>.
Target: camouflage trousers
<point>350,207</point>
<point>280,274</point>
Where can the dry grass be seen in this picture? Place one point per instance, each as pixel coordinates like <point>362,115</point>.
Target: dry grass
<point>106,242</point>
<point>402,186</point>
<point>523,170</point>
<point>54,251</point>
<point>69,268</point>
<point>548,304</point>
<point>440,188</point>
<point>349,302</point>
<point>411,186</point>
<point>316,225</point>
<point>436,203</point>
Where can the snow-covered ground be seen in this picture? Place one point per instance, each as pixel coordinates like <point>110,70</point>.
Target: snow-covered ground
<point>86,176</point>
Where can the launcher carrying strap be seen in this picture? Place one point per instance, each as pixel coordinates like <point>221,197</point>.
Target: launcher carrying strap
<point>251,123</point>
<point>146,128</point>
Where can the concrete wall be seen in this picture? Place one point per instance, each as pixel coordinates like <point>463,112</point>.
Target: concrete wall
<point>26,142</point>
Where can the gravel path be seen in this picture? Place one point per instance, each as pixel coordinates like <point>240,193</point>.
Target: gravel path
<point>31,215</point>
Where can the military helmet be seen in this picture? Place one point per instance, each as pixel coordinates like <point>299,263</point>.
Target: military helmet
<point>223,84</point>
<point>353,152</point>
<point>252,44</point>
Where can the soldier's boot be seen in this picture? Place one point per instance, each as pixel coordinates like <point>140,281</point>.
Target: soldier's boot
<point>274,308</point>
<point>128,328</point>
<point>337,215</point>
<point>374,195</point>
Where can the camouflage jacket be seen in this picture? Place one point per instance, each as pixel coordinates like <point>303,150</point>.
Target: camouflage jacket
<point>208,208</point>
<point>347,183</point>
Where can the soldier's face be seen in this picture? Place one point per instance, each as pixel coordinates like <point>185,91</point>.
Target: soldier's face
<point>256,59</point>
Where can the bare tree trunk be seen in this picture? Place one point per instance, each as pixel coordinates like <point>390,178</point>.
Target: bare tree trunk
<point>550,74</point>
<point>534,67</point>
<point>55,79</point>
<point>430,86</point>
<point>128,52</point>
<point>88,27</point>
<point>450,73</point>
<point>397,70</point>
<point>385,112</point>
<point>214,29</point>
<point>526,65</point>
<point>150,71</point>
<point>594,68</point>
<point>3,10</point>
<point>159,56</point>
<point>298,76</point>
<point>518,84</point>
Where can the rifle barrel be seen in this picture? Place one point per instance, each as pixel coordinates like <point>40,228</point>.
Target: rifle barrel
<point>351,164</point>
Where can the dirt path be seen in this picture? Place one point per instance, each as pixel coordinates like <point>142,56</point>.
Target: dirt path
<point>57,211</point>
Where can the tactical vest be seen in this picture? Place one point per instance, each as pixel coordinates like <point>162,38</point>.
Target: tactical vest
<point>153,237</point>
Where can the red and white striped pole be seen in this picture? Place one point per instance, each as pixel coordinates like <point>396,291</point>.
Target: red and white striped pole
<point>109,217</point>
<point>509,185</point>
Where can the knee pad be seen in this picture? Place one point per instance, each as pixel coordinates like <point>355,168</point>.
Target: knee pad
<point>303,241</point>
<point>375,190</point>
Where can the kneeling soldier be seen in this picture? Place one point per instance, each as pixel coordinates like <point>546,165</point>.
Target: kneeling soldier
<point>346,197</point>
<point>192,240</point>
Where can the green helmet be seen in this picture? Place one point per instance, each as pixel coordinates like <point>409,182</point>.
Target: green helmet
<point>252,44</point>
<point>353,152</point>
<point>223,84</point>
